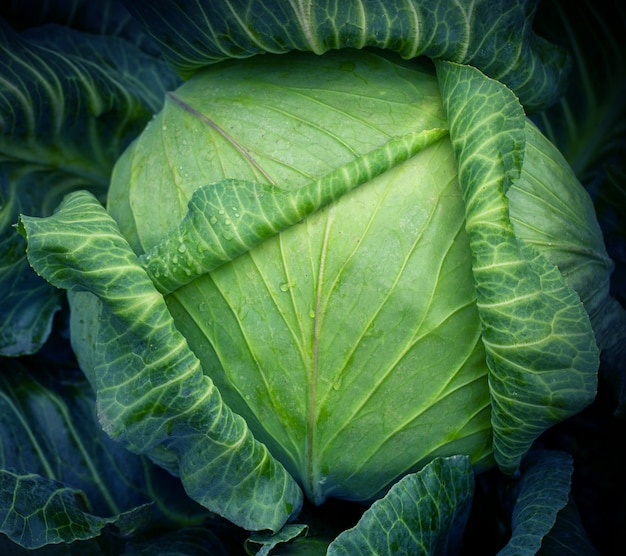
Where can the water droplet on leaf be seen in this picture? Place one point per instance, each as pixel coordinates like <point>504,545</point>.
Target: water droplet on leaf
<point>337,383</point>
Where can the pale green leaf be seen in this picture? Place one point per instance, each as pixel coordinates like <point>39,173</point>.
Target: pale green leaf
<point>422,514</point>
<point>540,346</point>
<point>562,225</point>
<point>70,102</point>
<point>154,396</point>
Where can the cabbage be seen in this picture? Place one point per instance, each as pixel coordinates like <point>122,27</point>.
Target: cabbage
<point>343,273</point>
<point>322,273</point>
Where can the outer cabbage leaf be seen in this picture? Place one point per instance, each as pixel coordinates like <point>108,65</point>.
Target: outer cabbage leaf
<point>540,346</point>
<point>588,125</point>
<point>151,392</point>
<point>267,542</point>
<point>69,104</point>
<point>107,17</point>
<point>496,37</point>
<point>77,106</point>
<point>423,513</point>
<point>562,226</point>
<point>61,478</point>
<point>543,492</point>
<point>29,302</point>
<point>37,511</point>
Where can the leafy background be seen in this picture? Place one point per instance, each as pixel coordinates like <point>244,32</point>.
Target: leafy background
<point>51,442</point>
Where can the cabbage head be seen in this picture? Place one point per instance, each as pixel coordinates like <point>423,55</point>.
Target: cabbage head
<point>319,273</point>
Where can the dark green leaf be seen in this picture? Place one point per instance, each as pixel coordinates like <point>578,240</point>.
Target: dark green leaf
<point>588,124</point>
<point>496,37</point>
<point>568,536</point>
<point>29,303</point>
<point>544,491</point>
<point>69,104</point>
<point>37,511</point>
<point>261,544</point>
<point>105,17</point>
<point>58,471</point>
<point>422,514</point>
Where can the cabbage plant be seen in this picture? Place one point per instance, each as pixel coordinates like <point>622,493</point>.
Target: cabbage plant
<point>351,267</point>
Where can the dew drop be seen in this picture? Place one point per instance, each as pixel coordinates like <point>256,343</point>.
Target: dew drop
<point>182,248</point>
<point>228,236</point>
<point>227,222</point>
<point>284,287</point>
<point>243,312</point>
<point>337,383</point>
<point>213,220</point>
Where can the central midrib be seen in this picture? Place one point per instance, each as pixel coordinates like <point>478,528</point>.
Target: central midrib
<point>313,373</point>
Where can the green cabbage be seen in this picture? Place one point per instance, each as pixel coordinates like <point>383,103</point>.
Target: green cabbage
<point>351,342</point>
<point>317,272</point>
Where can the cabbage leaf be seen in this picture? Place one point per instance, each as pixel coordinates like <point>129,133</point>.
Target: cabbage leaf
<point>496,37</point>
<point>540,346</point>
<point>297,331</point>
<point>423,513</point>
<point>61,477</point>
<point>543,491</point>
<point>70,102</point>
<point>155,397</point>
<point>265,211</point>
